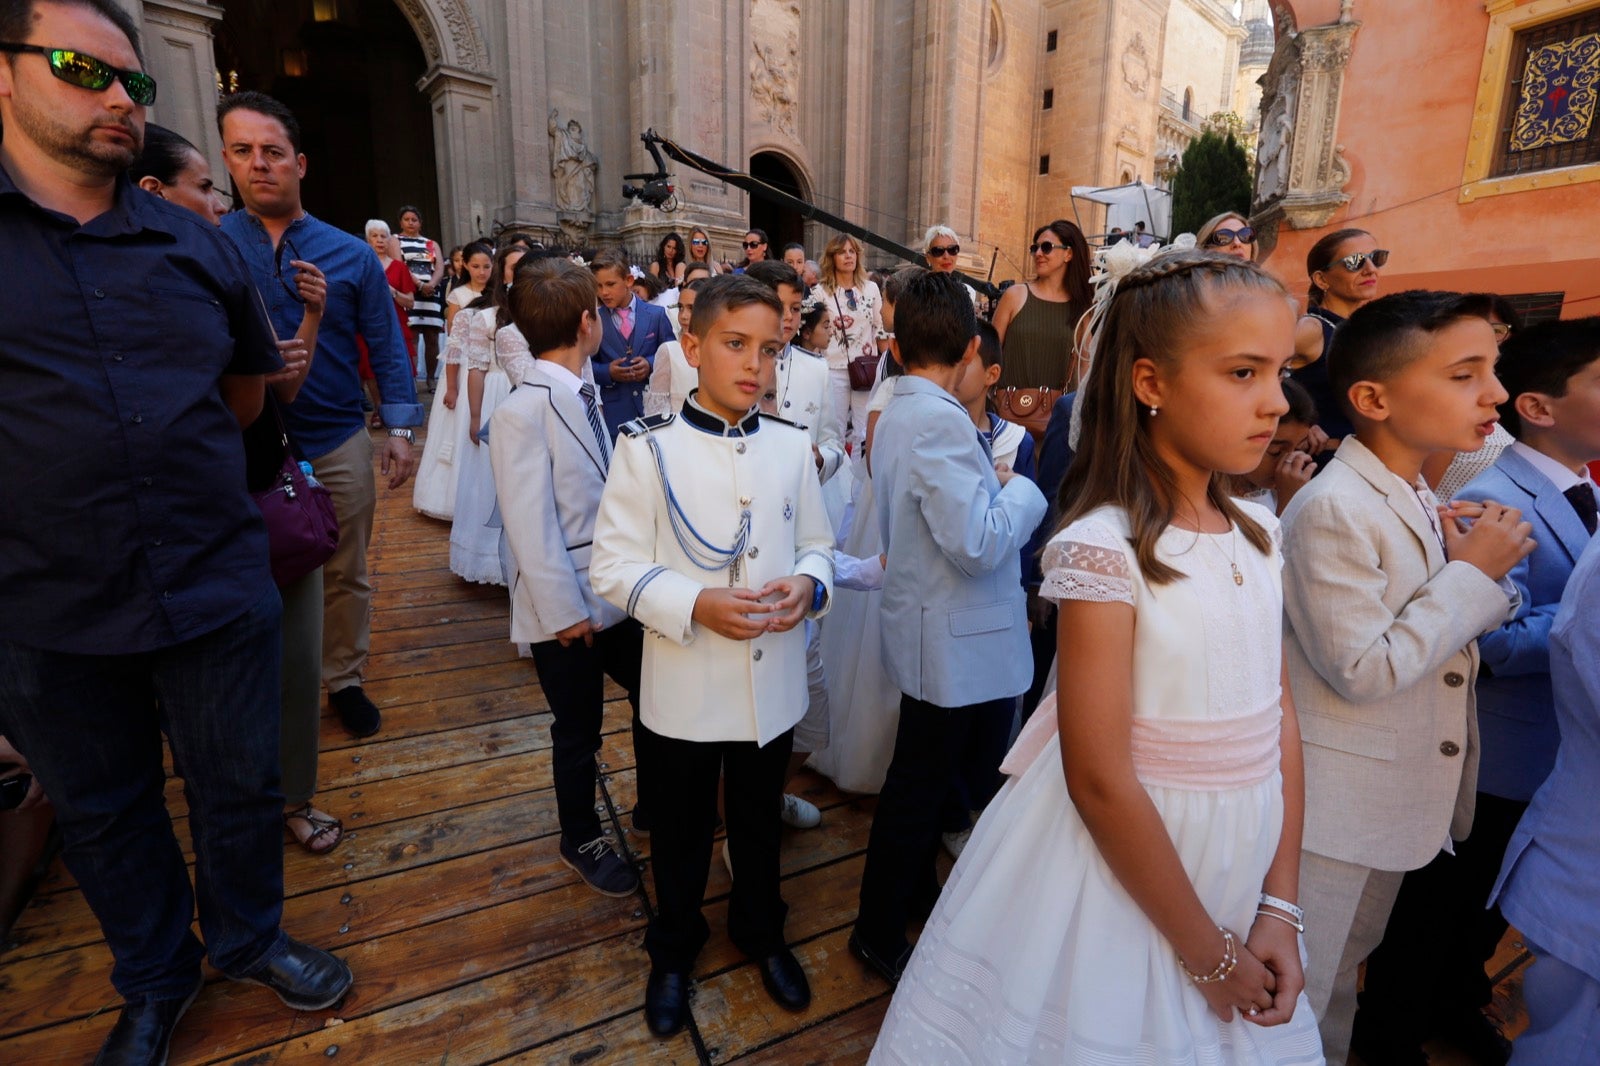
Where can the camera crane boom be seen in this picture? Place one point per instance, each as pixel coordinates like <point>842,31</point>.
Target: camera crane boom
<point>658,192</point>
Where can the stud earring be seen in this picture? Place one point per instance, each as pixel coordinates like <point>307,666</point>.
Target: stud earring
<point>1154,410</point>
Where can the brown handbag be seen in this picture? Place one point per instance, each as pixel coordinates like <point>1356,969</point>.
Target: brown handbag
<point>1028,408</point>
<point>863,372</point>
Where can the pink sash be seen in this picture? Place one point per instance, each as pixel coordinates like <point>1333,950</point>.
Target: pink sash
<point>1199,754</point>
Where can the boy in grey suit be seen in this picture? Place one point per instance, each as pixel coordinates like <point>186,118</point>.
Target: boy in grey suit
<point>550,452</point>
<point>955,627</point>
<point>1384,594</point>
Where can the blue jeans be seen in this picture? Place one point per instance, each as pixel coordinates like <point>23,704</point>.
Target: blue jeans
<point>91,726</point>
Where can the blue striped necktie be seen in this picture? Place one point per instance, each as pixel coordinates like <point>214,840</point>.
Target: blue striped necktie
<point>591,410</point>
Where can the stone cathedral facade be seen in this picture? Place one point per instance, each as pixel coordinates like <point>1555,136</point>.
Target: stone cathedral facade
<point>980,114</point>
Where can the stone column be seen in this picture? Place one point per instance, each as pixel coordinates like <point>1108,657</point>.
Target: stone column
<point>178,51</point>
<point>467,148</point>
<point>944,153</point>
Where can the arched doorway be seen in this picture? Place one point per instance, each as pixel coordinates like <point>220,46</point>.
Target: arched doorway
<point>782,225</point>
<point>349,70</point>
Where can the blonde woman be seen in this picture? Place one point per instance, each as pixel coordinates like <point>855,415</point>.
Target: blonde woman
<point>857,310</point>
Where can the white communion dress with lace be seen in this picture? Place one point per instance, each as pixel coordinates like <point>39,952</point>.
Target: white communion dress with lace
<point>433,489</point>
<point>1035,952</point>
<point>474,535</point>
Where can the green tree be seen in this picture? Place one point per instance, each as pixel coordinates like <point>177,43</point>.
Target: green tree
<point>1214,177</point>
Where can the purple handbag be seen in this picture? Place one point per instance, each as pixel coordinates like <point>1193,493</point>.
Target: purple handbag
<point>302,528</point>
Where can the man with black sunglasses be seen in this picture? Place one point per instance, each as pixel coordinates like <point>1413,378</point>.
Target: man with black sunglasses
<point>261,147</point>
<point>136,598</point>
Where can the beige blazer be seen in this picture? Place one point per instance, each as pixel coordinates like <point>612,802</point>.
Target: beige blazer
<point>1381,641</point>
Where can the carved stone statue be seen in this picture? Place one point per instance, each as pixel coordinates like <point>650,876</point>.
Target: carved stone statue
<point>1277,140</point>
<point>574,168</point>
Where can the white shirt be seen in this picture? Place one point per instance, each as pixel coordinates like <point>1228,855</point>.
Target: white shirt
<point>1561,476</point>
<point>557,372</point>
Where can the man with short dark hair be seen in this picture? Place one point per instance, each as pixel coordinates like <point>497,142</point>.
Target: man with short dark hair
<point>261,147</point>
<point>135,593</point>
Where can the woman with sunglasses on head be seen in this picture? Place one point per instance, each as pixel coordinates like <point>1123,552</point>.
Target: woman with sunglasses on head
<point>669,262</point>
<point>1343,268</point>
<point>1228,234</point>
<point>170,167</point>
<point>1036,320</point>
<point>700,249</point>
<point>857,308</point>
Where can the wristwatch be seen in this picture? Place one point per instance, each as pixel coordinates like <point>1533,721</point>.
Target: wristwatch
<point>411,438</point>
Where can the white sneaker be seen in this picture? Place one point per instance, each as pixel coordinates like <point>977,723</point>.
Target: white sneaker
<point>726,861</point>
<point>955,843</point>
<point>799,814</point>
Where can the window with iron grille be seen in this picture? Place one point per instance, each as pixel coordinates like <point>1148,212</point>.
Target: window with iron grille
<point>1550,117</point>
<point>1050,41</point>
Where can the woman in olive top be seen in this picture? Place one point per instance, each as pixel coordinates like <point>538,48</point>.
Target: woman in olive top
<point>1035,320</point>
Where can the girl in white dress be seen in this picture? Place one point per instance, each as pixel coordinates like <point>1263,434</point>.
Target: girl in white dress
<point>1128,897</point>
<point>474,541</point>
<point>433,490</point>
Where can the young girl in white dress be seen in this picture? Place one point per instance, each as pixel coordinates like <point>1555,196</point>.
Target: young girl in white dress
<point>433,490</point>
<point>1129,896</point>
<point>474,542</point>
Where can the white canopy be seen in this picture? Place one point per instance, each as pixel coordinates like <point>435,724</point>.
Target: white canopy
<point>1127,204</point>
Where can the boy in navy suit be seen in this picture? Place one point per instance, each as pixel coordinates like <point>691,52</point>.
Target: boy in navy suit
<point>550,455</point>
<point>1439,936</point>
<point>633,330</point>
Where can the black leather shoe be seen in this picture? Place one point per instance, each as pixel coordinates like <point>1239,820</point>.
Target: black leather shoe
<point>785,981</point>
<point>143,1035</point>
<point>883,965</point>
<point>304,977</point>
<point>359,715</point>
<point>666,1002</point>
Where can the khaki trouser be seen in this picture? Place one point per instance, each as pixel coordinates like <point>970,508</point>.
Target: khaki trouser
<point>1347,909</point>
<point>346,592</point>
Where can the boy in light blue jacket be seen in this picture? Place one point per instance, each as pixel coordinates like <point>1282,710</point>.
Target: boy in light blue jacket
<point>955,628</point>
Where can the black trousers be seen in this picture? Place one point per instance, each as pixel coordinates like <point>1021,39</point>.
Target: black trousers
<point>1430,967</point>
<point>678,783</point>
<point>573,678</point>
<point>929,745</point>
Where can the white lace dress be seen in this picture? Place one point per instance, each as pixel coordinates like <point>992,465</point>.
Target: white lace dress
<point>433,489</point>
<point>474,541</point>
<point>1035,952</point>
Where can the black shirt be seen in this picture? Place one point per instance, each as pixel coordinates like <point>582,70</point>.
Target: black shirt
<point>125,525</point>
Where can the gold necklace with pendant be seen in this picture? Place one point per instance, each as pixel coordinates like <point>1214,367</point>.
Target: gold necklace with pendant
<point>1233,553</point>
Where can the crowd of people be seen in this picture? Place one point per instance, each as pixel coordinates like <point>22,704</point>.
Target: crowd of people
<point>1226,649</point>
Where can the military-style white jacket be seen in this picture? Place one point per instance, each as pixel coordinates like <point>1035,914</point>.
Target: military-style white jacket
<point>675,502</point>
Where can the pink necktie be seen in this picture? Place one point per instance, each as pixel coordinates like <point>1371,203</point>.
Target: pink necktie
<point>625,322</point>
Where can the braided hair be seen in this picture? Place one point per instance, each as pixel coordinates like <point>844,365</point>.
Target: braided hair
<point>1156,309</point>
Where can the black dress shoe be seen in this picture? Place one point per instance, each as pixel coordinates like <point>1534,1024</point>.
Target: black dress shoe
<point>666,1002</point>
<point>359,715</point>
<point>304,977</point>
<point>887,967</point>
<point>143,1035</point>
<point>785,981</point>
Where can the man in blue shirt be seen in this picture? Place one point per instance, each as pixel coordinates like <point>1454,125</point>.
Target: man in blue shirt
<point>261,146</point>
<point>135,594</point>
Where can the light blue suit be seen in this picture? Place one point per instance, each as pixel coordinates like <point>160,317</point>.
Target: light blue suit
<point>955,626</point>
<point>1547,885</point>
<point>1516,714</point>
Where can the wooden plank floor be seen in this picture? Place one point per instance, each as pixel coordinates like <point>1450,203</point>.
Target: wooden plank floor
<point>470,941</point>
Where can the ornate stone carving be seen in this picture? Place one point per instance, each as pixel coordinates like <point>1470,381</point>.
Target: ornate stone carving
<point>1300,170</point>
<point>467,50</point>
<point>775,62</point>
<point>1136,65</point>
<point>573,167</point>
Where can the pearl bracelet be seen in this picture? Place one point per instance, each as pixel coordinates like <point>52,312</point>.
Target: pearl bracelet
<point>1285,906</point>
<point>1230,959</point>
<point>1284,918</point>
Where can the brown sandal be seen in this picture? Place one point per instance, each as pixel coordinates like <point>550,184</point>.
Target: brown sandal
<point>321,826</point>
